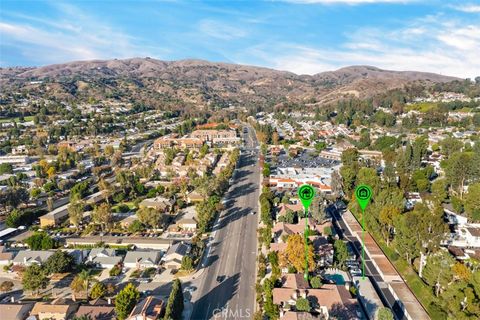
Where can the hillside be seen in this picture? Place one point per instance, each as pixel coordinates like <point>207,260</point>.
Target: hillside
<point>201,82</point>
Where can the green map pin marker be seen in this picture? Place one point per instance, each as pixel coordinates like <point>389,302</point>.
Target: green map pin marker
<point>363,193</point>
<point>306,194</point>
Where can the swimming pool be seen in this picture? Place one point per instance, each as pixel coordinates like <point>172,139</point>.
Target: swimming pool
<point>337,278</point>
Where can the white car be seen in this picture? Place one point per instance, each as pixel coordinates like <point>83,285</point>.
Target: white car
<point>355,272</point>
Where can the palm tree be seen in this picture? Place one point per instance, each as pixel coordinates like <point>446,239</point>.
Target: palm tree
<point>82,282</point>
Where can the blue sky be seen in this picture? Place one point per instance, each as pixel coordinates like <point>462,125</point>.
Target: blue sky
<point>302,36</point>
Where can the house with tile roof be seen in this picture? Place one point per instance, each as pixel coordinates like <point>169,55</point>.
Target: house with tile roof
<point>326,301</point>
<point>53,311</point>
<point>15,311</point>
<point>150,308</point>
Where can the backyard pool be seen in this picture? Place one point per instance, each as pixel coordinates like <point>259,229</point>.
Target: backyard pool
<point>337,278</point>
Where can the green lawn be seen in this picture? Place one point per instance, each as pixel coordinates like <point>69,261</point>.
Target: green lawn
<point>421,106</point>
<point>129,204</point>
<point>27,118</point>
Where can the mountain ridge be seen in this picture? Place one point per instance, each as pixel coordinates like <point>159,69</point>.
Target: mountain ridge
<point>199,62</point>
<point>200,81</point>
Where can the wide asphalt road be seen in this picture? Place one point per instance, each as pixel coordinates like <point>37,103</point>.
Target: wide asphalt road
<point>226,288</point>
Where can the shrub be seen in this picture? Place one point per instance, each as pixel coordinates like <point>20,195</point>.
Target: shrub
<point>316,282</point>
<point>136,226</point>
<point>6,286</point>
<point>98,290</point>
<point>115,271</point>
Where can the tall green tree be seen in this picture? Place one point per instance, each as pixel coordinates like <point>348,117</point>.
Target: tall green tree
<point>388,214</point>
<point>40,241</point>
<point>271,309</point>
<point>369,177</point>
<point>75,212</point>
<point>126,300</point>
<point>439,190</point>
<point>340,253</point>
<point>438,271</point>
<point>175,302</point>
<point>460,169</point>
<point>450,145</point>
<point>34,278</point>
<point>149,216</point>
<point>102,215</point>
<point>472,202</point>
<point>59,262</point>
<point>350,157</point>
<point>419,146</point>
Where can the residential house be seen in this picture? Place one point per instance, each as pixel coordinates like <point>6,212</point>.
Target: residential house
<point>284,208</point>
<point>79,256</point>
<point>97,309</point>
<point>294,281</point>
<point>104,257</point>
<point>19,160</point>
<point>142,259</point>
<point>323,249</point>
<point>468,236</point>
<point>453,216</point>
<point>332,154</point>
<point>187,224</point>
<point>194,196</point>
<point>328,300</point>
<point>158,203</point>
<point>173,140</point>
<point>173,257</point>
<point>162,143</point>
<point>190,143</point>
<point>5,256</point>
<point>282,229</point>
<point>212,135</point>
<point>29,257</point>
<point>150,308</point>
<point>412,198</point>
<point>15,311</point>
<point>293,315</point>
<point>54,217</point>
<point>53,311</point>
<point>222,163</point>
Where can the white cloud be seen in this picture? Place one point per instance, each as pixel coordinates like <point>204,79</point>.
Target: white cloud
<point>449,47</point>
<point>220,30</point>
<point>469,8</point>
<point>75,35</point>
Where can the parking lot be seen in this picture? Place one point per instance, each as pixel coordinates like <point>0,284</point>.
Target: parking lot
<point>305,159</point>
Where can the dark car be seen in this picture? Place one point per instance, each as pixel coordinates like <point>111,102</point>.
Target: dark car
<point>220,278</point>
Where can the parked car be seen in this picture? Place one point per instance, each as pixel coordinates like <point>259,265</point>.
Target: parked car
<point>355,272</point>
